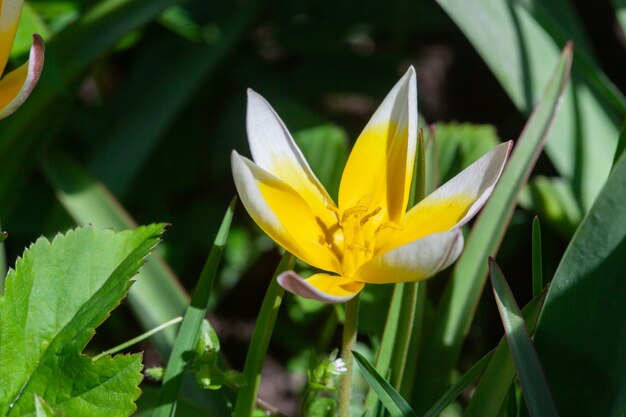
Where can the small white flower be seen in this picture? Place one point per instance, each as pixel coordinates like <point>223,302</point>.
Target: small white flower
<point>338,367</point>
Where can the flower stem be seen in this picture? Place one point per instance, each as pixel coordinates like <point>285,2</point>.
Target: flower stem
<point>349,340</point>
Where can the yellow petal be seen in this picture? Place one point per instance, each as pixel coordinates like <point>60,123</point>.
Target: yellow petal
<point>274,150</point>
<point>380,166</point>
<point>321,287</point>
<point>414,261</point>
<point>10,11</point>
<point>451,205</point>
<point>17,85</point>
<point>283,214</point>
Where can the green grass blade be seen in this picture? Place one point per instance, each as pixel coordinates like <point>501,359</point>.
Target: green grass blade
<point>459,386</point>
<point>520,42</point>
<point>456,310</point>
<point>393,402</point>
<point>157,295</point>
<point>246,399</point>
<point>494,385</point>
<point>192,322</point>
<point>534,385</point>
<point>582,320</point>
<point>537,261</point>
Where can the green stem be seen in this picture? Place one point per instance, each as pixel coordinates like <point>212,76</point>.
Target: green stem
<point>349,340</point>
<point>139,338</point>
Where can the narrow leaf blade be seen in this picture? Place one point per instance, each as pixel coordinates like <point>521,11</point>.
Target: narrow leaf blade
<point>534,385</point>
<point>454,314</point>
<point>393,402</point>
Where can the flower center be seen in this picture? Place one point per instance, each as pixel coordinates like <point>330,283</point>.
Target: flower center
<point>360,225</point>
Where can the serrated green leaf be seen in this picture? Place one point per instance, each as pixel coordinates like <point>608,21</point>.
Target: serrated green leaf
<point>158,296</point>
<point>529,370</point>
<point>391,399</point>
<point>581,337</point>
<point>443,341</point>
<point>59,292</point>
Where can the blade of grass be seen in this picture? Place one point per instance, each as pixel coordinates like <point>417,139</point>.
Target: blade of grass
<point>537,262</point>
<point>192,322</point>
<point>529,370</point>
<point>456,310</point>
<point>157,296</point>
<point>459,386</point>
<point>393,402</point>
<point>492,390</point>
<point>246,399</point>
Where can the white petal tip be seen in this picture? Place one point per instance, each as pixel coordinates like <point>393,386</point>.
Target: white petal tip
<point>295,284</point>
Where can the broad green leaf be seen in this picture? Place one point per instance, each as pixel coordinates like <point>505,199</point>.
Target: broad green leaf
<point>68,57</point>
<point>393,402</point>
<point>520,42</point>
<point>494,385</point>
<point>157,297</point>
<point>192,323</point>
<point>246,399</point>
<point>534,385</point>
<point>59,292</point>
<point>144,118</point>
<point>326,150</point>
<point>581,337</point>
<point>454,314</point>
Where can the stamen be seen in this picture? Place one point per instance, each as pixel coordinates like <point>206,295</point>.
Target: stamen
<point>388,225</point>
<point>357,247</point>
<point>368,216</point>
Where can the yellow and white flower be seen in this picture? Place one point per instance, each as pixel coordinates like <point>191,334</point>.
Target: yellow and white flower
<point>17,85</point>
<point>368,237</point>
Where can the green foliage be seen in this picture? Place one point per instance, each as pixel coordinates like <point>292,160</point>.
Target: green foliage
<point>444,340</point>
<point>534,385</point>
<point>56,296</point>
<point>588,290</point>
